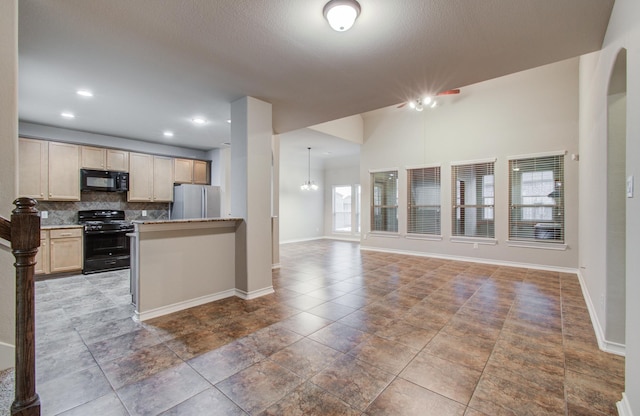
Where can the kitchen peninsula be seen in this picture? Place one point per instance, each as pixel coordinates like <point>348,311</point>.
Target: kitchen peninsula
<point>178,264</point>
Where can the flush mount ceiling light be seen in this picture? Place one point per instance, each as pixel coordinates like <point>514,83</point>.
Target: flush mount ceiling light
<point>198,121</point>
<point>84,93</point>
<point>68,115</point>
<point>341,14</point>
<point>167,133</point>
<point>309,185</point>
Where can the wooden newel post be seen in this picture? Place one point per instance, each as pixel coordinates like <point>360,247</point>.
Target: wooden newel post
<point>25,240</point>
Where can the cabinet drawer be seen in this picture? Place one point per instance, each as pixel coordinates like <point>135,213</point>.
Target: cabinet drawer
<point>65,233</point>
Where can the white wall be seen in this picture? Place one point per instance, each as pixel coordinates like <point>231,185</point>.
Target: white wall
<point>8,169</point>
<point>339,171</point>
<point>301,212</point>
<point>595,69</point>
<point>529,112</point>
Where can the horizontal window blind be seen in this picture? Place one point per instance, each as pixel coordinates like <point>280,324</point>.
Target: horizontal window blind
<point>424,215</point>
<point>473,193</point>
<point>536,195</point>
<point>384,201</point>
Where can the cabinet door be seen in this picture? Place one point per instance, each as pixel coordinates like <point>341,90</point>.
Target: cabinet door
<point>66,254</point>
<point>33,168</point>
<point>162,179</point>
<point>140,177</point>
<point>64,172</point>
<point>93,157</point>
<point>200,172</point>
<point>42,257</point>
<point>183,170</point>
<point>118,160</point>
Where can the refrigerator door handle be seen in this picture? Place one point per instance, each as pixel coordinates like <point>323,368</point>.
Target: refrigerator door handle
<point>204,202</point>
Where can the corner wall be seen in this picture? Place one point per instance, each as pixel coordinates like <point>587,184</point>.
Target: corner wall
<point>8,170</point>
<point>595,70</point>
<point>529,112</point>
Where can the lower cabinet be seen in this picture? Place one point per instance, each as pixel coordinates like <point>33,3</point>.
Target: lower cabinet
<point>60,251</point>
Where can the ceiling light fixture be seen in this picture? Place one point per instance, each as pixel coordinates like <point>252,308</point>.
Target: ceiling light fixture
<point>419,104</point>
<point>199,121</point>
<point>341,14</point>
<point>67,114</point>
<point>167,133</point>
<point>309,185</point>
<point>84,93</point>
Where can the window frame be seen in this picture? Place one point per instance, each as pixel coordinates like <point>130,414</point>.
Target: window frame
<point>383,205</point>
<point>484,228</point>
<point>435,178</point>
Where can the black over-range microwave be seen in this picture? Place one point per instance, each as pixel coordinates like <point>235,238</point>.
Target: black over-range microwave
<point>104,180</point>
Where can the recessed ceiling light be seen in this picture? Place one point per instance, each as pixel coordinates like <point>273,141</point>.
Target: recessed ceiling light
<point>67,114</point>
<point>229,120</point>
<point>167,133</point>
<point>199,121</point>
<point>84,93</point>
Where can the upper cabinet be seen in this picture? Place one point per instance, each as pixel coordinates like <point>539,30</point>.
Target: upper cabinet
<point>191,171</point>
<point>107,159</point>
<point>150,178</point>
<point>64,172</point>
<point>33,168</point>
<point>49,170</point>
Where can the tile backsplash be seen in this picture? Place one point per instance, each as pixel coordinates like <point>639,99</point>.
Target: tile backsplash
<point>62,212</point>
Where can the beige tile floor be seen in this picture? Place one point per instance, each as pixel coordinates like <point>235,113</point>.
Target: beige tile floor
<point>348,332</point>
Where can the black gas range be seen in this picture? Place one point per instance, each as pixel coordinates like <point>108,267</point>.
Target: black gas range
<point>106,245</point>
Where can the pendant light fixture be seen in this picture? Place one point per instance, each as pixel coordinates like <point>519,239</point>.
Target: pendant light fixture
<point>341,14</point>
<point>309,185</point>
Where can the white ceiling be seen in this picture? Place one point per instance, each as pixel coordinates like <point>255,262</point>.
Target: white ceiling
<point>153,65</point>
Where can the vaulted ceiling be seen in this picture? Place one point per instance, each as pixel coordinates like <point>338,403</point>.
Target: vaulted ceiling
<point>154,65</point>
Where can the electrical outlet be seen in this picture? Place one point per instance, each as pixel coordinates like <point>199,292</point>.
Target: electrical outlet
<point>144,212</point>
<point>44,214</point>
<point>475,245</point>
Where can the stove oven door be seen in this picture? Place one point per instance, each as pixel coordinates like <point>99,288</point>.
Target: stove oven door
<point>106,250</point>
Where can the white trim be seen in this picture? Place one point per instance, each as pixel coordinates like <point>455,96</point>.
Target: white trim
<point>535,244</point>
<point>474,260</point>
<point>432,165</point>
<point>541,154</point>
<point>7,356</point>
<point>383,234</point>
<point>384,170</point>
<point>603,344</point>
<point>339,238</point>
<point>275,266</point>
<point>426,237</point>
<point>301,240</point>
<point>624,407</point>
<point>473,240</point>
<point>254,294</point>
<point>473,162</point>
<point>165,310</point>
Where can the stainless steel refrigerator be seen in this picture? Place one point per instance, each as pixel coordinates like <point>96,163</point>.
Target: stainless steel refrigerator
<point>195,201</point>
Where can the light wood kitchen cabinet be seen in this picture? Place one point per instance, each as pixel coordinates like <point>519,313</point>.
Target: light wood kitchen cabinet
<point>183,170</point>
<point>33,168</point>
<point>42,257</point>
<point>64,172</point>
<point>200,172</point>
<point>105,159</point>
<point>150,178</point>
<point>162,179</point>
<point>191,171</point>
<point>65,252</point>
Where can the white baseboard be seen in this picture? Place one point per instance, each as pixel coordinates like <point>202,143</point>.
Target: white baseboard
<point>254,294</point>
<point>624,407</point>
<point>341,238</point>
<point>301,240</point>
<point>474,260</point>
<point>165,310</point>
<point>7,356</point>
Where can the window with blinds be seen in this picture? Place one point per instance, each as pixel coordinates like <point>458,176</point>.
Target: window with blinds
<point>384,201</point>
<point>423,204</point>
<point>473,200</point>
<point>536,198</point>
